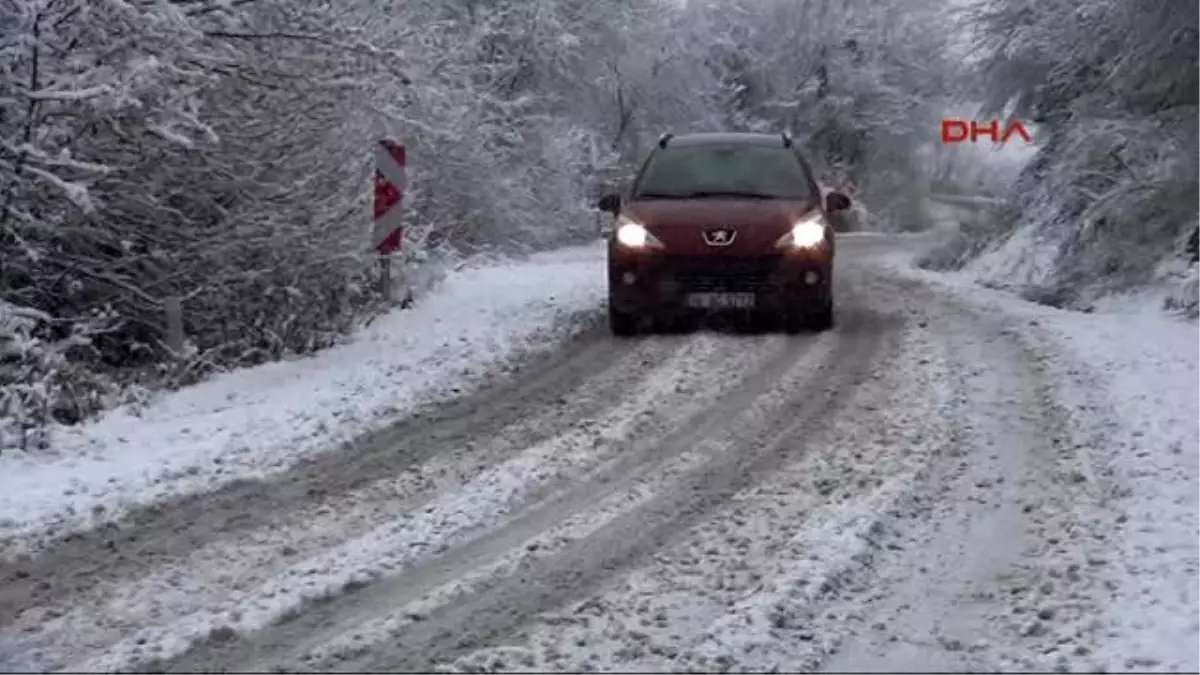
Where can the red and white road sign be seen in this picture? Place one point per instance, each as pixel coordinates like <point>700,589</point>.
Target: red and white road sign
<point>390,179</point>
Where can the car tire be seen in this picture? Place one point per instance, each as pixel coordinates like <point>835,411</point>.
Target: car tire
<point>761,322</point>
<point>664,323</point>
<point>803,318</point>
<point>795,320</point>
<point>822,319</point>
<point>622,324</point>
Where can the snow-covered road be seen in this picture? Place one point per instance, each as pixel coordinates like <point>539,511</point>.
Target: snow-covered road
<point>952,479</point>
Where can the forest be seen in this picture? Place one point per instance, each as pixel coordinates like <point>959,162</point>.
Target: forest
<point>218,152</point>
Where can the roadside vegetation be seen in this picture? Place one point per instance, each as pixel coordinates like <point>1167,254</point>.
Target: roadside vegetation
<point>218,152</point>
<point>1108,204</point>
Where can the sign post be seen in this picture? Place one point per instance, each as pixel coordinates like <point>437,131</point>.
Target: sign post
<point>387,235</point>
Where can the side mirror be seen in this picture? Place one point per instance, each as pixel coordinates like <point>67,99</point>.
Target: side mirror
<point>610,203</point>
<point>836,201</point>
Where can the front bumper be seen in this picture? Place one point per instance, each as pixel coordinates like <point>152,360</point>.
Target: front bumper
<point>658,283</point>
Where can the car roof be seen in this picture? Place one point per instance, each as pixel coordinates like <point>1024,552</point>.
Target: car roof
<point>727,138</point>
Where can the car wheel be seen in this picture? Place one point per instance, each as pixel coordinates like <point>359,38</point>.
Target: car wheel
<point>622,324</point>
<point>665,323</point>
<point>795,320</point>
<point>802,318</point>
<point>822,319</point>
<point>761,322</point>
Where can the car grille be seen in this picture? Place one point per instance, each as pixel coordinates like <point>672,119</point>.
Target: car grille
<point>721,274</point>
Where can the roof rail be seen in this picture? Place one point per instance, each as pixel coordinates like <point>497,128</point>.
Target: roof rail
<point>787,139</point>
<point>662,140</point>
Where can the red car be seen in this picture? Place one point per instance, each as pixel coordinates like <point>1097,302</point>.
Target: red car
<point>723,222</point>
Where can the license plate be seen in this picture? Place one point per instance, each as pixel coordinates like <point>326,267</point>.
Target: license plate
<point>720,300</point>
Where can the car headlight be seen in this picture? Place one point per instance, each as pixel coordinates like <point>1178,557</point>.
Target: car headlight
<point>634,235</point>
<point>806,233</point>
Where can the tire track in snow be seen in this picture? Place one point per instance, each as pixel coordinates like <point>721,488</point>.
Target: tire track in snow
<point>587,565</point>
<point>744,365</point>
<point>982,583</point>
<point>353,642</point>
<point>454,514</point>
<point>67,587</point>
<point>612,490</point>
<point>744,589</point>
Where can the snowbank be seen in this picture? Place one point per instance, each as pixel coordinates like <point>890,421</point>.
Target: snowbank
<point>261,420</point>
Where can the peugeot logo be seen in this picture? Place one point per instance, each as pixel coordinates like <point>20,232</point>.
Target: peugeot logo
<point>720,236</point>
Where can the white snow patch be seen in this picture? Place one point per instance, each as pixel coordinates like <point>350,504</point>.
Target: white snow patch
<point>1132,381</point>
<point>865,234</point>
<point>385,550</point>
<point>1142,302</point>
<point>543,545</point>
<point>261,420</point>
<point>744,590</point>
<point>831,539</point>
<point>1023,259</point>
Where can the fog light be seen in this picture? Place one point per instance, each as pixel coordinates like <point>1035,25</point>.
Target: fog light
<point>629,278</point>
<point>811,278</point>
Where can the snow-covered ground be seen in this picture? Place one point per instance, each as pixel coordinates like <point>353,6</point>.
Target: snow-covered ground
<point>1025,477</point>
<point>261,420</point>
<point>1131,379</point>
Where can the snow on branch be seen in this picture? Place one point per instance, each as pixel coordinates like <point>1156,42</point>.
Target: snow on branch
<point>69,94</point>
<point>219,151</point>
<point>75,192</point>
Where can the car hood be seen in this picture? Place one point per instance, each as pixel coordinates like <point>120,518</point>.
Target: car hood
<point>680,223</point>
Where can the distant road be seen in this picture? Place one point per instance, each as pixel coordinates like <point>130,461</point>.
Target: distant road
<point>968,201</point>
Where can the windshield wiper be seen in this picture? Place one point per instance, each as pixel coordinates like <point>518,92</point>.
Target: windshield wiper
<point>706,194</point>
<point>659,195</point>
<point>727,193</point>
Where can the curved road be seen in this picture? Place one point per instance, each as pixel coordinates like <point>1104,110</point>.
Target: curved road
<point>877,497</point>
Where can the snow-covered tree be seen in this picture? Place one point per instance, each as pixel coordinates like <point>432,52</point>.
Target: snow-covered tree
<point>219,151</point>
<point>859,83</point>
<point>1112,87</point>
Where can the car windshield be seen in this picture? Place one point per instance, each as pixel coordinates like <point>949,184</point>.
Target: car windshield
<point>698,172</point>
